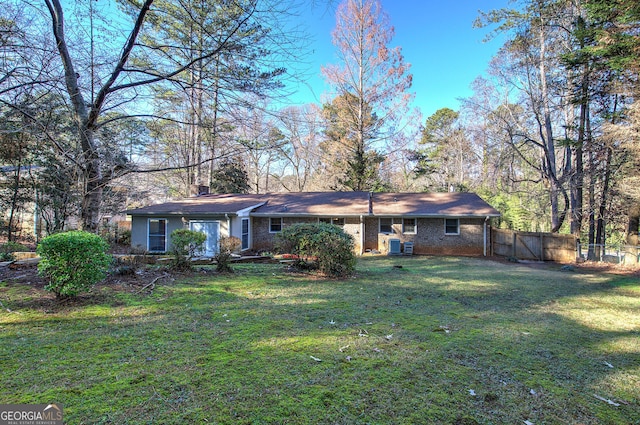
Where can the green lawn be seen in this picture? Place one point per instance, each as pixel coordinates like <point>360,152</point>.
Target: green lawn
<point>436,341</point>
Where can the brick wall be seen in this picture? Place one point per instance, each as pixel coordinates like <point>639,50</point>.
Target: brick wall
<point>428,239</point>
<point>431,238</point>
<point>263,240</point>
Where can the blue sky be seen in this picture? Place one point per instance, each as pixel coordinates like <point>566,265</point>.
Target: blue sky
<point>437,38</point>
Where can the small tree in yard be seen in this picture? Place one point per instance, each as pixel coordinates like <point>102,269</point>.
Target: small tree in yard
<point>184,245</point>
<point>228,245</point>
<point>73,262</point>
<point>326,245</point>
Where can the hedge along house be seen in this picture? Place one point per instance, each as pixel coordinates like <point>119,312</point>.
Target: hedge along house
<point>421,223</point>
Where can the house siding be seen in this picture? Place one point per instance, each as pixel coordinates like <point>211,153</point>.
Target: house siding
<point>263,240</point>
<point>370,234</point>
<point>361,212</point>
<point>139,228</point>
<point>352,227</point>
<point>430,237</point>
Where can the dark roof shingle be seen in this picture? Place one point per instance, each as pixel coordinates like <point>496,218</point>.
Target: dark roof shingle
<point>455,204</point>
<point>329,204</point>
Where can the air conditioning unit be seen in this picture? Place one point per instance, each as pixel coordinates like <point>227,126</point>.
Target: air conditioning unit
<point>394,247</point>
<point>408,248</point>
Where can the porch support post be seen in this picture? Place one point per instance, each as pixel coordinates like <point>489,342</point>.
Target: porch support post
<point>362,235</point>
<point>484,237</point>
<point>228,225</point>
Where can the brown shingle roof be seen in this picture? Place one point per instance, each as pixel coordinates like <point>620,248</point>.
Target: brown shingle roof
<point>205,204</point>
<point>315,203</point>
<point>329,204</point>
<point>451,204</point>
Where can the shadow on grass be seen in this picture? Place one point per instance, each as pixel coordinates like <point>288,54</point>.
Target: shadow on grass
<point>437,340</point>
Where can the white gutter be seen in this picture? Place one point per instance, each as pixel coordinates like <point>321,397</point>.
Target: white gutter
<point>361,235</point>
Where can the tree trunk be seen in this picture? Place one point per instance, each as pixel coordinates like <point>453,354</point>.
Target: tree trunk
<point>14,203</point>
<point>93,185</point>
<point>604,198</point>
<point>86,115</point>
<point>591,251</point>
<point>577,180</point>
<point>214,124</point>
<point>549,144</point>
<point>633,225</point>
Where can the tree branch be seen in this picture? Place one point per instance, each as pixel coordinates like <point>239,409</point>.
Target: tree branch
<point>128,47</point>
<point>108,89</point>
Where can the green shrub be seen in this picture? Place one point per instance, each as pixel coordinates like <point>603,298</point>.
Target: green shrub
<point>184,244</point>
<point>325,245</point>
<point>73,262</point>
<point>8,248</point>
<point>124,237</point>
<point>228,245</point>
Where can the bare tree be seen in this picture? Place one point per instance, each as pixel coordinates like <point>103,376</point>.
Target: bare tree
<point>300,155</point>
<point>371,81</point>
<point>531,64</point>
<point>114,78</point>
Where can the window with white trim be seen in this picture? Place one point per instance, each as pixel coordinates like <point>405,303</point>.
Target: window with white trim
<point>386,225</point>
<point>409,225</point>
<point>245,233</point>
<point>451,226</point>
<point>157,235</point>
<point>275,224</point>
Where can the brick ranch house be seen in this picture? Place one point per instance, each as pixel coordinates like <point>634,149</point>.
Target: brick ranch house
<point>434,223</point>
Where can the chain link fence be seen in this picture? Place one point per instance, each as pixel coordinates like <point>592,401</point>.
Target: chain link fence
<point>609,253</point>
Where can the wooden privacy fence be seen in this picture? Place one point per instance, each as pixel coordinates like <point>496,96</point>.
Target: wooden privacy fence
<point>537,246</point>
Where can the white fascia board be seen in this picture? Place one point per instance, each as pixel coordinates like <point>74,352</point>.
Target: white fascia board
<point>246,212</point>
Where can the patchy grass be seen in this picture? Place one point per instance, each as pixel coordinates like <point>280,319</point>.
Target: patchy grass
<point>437,340</point>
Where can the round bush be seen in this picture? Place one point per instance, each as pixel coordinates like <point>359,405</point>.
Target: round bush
<point>73,261</point>
<point>184,245</point>
<point>228,246</point>
<point>325,244</point>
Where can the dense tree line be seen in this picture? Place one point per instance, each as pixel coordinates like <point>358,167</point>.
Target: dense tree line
<point>99,114</point>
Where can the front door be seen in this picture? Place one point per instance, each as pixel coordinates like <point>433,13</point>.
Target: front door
<point>212,230</point>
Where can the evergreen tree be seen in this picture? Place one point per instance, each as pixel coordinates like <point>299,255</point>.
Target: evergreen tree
<point>230,177</point>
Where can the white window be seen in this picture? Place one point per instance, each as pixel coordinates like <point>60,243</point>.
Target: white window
<point>245,233</point>
<point>451,226</point>
<point>275,224</point>
<point>334,221</point>
<point>409,225</point>
<point>157,235</point>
